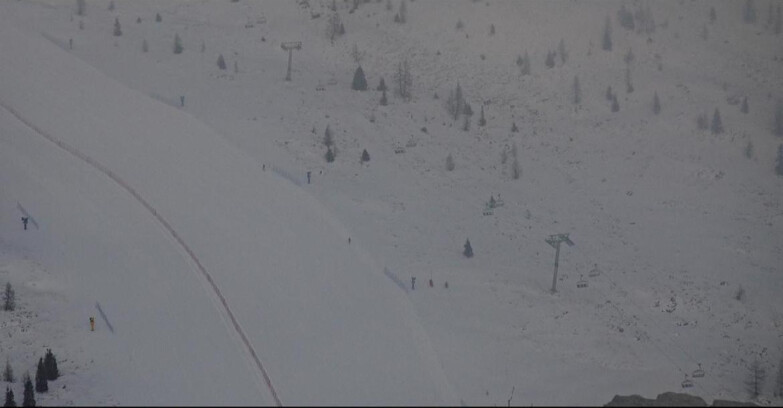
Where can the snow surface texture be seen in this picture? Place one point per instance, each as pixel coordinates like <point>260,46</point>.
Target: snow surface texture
<point>676,219</point>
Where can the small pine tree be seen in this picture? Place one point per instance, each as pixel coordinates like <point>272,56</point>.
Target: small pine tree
<point>550,59</point>
<point>381,85</point>
<point>468,251</point>
<point>41,384</point>
<point>203,46</point>
<point>629,56</point>
<point>778,126</point>
<point>158,19</point>
<point>9,298</point>
<point>144,46</point>
<point>717,125</point>
<point>779,167</point>
<point>713,16</point>
<point>328,137</point>
<point>482,121</point>
<point>29,395</point>
<point>111,5</point>
<point>656,104</point>
<point>342,29</point>
<point>359,81</point>
<point>384,100</point>
<point>749,150</point>
<point>177,44</point>
<point>449,163</point>
<point>80,7</point>
<point>329,155</point>
<point>492,29</point>
<point>138,20</point>
<point>777,20</point>
<point>607,39</point>
<point>365,156</point>
<point>615,104</point>
<point>8,372</point>
<point>466,124</point>
<point>403,12</point>
<point>389,6</point>
<point>525,68</point>
<point>460,25</point>
<point>749,12</point>
<point>503,156</point>
<point>744,107</point>
<point>515,170</point>
<point>755,380</point>
<point>628,84</point>
<point>467,110</point>
<point>9,398</point>
<point>577,91</point>
<point>117,28</point>
<point>50,365</point>
<point>221,62</point>
<point>514,128</point>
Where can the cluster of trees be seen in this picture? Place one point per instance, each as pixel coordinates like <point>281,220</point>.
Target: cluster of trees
<point>9,298</point>
<point>46,371</point>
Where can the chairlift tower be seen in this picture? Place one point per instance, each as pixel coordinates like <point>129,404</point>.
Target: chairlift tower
<point>554,241</point>
<point>290,47</point>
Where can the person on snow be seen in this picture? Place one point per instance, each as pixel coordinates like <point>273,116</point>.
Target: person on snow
<point>24,222</point>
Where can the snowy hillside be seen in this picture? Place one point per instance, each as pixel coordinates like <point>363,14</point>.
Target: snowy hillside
<point>145,202</point>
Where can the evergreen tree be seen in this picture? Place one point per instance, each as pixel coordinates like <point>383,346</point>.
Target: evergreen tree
<point>41,384</point>
<point>50,364</point>
<point>749,150</point>
<point>550,59</point>
<point>403,12</point>
<point>111,5</point>
<point>389,5</point>
<point>628,84</point>
<point>615,104</point>
<point>359,81</point>
<point>29,395</point>
<point>365,156</point>
<point>607,40</point>
<point>778,126</point>
<point>8,372</point>
<point>515,170</point>
<point>384,101</point>
<point>329,155</point>
<point>466,123</point>
<point>777,20</point>
<point>713,16</point>
<point>449,163</point>
<point>404,80</point>
<point>138,20</point>
<point>9,298</point>
<point>144,46</point>
<point>9,398</point>
<point>157,18</point>
<point>468,251</point>
<point>80,8</point>
<point>381,85</point>
<point>755,379</point>
<point>117,28</point>
<point>525,67</point>
<point>328,137</point>
<point>779,167</point>
<point>221,62</point>
<point>744,108</point>
<point>656,104</point>
<point>717,125</point>
<point>482,121</point>
<point>577,91</point>
<point>203,46</point>
<point>342,29</point>
<point>492,29</point>
<point>749,12</point>
<point>514,128</point>
<point>467,110</point>
<point>177,44</point>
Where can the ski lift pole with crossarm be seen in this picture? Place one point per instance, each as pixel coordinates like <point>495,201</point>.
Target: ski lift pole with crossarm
<point>290,47</point>
<point>554,241</point>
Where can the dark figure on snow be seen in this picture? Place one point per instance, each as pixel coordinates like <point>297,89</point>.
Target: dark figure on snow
<point>24,222</point>
<point>308,177</point>
<point>413,282</point>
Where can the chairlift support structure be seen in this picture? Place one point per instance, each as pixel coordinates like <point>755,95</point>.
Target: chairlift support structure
<point>290,47</point>
<point>554,241</point>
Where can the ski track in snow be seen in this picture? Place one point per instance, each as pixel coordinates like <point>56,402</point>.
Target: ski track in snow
<point>103,169</point>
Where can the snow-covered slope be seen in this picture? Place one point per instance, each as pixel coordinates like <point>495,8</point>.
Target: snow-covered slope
<point>677,219</point>
<point>320,314</point>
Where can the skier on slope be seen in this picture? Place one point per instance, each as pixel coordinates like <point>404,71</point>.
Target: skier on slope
<point>24,222</point>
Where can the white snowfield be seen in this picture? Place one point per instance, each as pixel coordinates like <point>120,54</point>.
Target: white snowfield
<point>135,196</point>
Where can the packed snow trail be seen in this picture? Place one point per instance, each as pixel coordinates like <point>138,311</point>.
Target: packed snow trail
<point>334,329</point>
<point>103,169</point>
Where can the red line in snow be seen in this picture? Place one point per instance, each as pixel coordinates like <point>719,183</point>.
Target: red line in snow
<point>100,167</point>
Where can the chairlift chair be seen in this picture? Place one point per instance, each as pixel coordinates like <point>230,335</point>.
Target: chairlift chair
<point>699,372</point>
<point>581,283</point>
<point>687,383</point>
<point>594,272</point>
